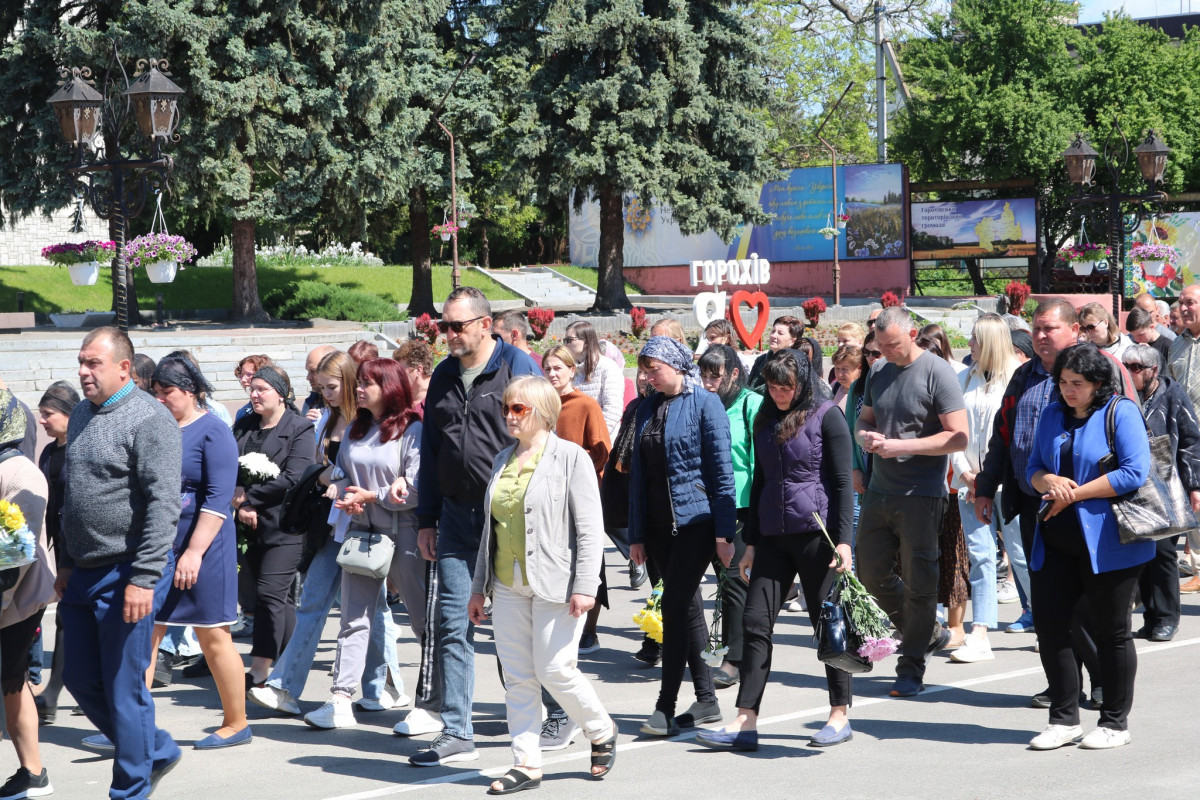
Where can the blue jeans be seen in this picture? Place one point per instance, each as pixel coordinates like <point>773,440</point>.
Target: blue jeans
<point>981,549</point>
<point>180,641</point>
<point>320,589</point>
<point>104,668</point>
<point>458,525</point>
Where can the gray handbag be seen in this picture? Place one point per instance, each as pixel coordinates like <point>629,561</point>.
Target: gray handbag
<point>366,553</point>
<point>1159,508</point>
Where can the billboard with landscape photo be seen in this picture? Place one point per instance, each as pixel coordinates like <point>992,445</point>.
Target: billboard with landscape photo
<point>974,229</point>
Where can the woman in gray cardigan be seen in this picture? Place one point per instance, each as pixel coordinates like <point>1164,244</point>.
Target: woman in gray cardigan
<point>540,558</point>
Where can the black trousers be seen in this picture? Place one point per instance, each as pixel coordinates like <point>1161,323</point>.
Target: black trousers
<point>273,568</point>
<point>1082,643</point>
<point>1058,586</point>
<point>733,603</point>
<point>1159,583</point>
<point>683,558</point>
<point>778,560</point>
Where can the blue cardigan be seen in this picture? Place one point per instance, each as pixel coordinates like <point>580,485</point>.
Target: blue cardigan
<point>700,469</point>
<point>1096,516</point>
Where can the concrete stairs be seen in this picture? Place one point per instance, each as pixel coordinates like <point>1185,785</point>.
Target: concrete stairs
<point>542,286</point>
<point>31,361</point>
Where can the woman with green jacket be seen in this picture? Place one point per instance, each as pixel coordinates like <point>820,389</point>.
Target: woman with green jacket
<point>722,373</point>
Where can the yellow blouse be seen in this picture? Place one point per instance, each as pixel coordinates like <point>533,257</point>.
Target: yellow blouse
<point>508,513</point>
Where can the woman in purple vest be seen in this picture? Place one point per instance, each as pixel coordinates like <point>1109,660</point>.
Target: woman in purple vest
<point>802,464</point>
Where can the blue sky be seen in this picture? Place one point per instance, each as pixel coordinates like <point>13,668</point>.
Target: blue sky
<point>1094,10</point>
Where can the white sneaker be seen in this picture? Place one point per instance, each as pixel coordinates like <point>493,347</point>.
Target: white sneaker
<point>795,607</point>
<point>391,698</point>
<point>1055,736</point>
<point>1006,592</point>
<point>337,713</point>
<point>1104,739</point>
<point>418,722</point>
<point>268,696</point>
<point>975,648</point>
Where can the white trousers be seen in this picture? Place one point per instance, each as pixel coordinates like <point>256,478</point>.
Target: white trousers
<point>538,645</point>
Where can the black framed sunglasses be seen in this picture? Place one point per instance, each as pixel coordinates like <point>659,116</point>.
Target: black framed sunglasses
<point>872,353</point>
<point>457,325</point>
<point>1136,368</point>
<point>1091,327</point>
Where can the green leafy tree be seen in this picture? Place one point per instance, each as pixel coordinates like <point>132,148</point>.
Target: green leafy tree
<point>290,108</point>
<point>656,99</point>
<point>1002,85</point>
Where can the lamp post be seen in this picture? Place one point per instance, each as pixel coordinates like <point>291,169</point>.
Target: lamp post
<point>1151,155</point>
<point>454,273</point>
<point>837,267</point>
<point>92,121</point>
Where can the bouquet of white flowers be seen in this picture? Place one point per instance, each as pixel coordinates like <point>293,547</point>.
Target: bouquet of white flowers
<point>17,544</point>
<point>256,468</point>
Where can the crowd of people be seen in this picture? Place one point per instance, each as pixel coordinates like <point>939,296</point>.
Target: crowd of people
<point>489,485</point>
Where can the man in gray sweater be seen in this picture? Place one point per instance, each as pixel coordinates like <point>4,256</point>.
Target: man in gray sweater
<point>120,514</point>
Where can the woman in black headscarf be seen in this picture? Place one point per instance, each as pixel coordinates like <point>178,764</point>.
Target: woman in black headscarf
<point>274,429</point>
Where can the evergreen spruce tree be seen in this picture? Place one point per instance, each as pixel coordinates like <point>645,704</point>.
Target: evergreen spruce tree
<point>655,98</point>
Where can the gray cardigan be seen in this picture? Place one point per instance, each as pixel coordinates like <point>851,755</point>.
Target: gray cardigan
<point>564,528</point>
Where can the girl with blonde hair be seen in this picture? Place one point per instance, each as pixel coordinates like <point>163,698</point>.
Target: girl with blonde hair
<point>983,385</point>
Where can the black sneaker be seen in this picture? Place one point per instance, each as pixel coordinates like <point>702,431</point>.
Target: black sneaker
<point>47,713</point>
<point>445,749</point>
<point>162,670</point>
<point>588,643</point>
<point>24,783</point>
<point>651,652</point>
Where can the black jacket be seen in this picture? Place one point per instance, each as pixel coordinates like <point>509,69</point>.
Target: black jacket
<point>464,430</point>
<point>292,445</point>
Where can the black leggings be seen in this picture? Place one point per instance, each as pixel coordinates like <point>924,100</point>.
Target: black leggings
<point>777,562</point>
<point>683,559</point>
<point>1058,586</point>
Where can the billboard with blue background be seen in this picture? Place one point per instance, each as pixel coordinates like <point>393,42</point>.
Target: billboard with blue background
<point>873,196</point>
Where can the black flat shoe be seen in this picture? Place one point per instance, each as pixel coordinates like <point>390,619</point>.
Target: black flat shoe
<point>1162,633</point>
<point>514,781</point>
<point>198,670</point>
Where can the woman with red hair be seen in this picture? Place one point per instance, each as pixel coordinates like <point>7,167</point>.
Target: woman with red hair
<point>379,458</point>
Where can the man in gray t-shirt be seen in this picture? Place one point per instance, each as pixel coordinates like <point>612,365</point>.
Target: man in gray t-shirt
<point>913,417</point>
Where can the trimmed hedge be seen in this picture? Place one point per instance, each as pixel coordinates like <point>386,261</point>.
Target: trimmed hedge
<point>309,299</point>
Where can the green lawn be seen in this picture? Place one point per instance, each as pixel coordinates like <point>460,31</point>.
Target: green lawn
<point>49,288</point>
<point>588,276</point>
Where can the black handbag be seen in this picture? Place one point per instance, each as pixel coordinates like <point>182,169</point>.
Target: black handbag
<point>1159,508</point>
<point>837,640</point>
<point>305,512</point>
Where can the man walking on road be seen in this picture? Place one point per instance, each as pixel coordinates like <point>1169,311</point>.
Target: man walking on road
<point>913,417</point>
<point>464,430</point>
<point>120,514</point>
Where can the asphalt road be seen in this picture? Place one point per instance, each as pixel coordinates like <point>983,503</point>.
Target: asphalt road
<point>965,737</point>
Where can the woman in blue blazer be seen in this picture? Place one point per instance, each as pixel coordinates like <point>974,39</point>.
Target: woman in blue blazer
<point>1077,553</point>
<point>681,494</point>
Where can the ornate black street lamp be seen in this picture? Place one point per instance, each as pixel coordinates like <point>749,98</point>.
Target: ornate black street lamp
<point>1151,157</point>
<point>86,114</point>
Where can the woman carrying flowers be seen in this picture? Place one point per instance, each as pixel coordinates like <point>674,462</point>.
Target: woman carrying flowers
<point>802,465</point>
<point>276,434</point>
<point>27,590</point>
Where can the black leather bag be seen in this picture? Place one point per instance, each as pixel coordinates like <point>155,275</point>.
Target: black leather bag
<point>305,512</point>
<point>837,641</point>
<point>1159,508</point>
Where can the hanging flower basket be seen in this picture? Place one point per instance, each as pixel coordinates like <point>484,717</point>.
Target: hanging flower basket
<point>153,249</point>
<point>162,271</point>
<point>828,232</point>
<point>82,259</point>
<point>446,230</point>
<point>1153,257</point>
<point>1083,267</point>
<point>842,220</point>
<point>1084,257</point>
<point>84,273</point>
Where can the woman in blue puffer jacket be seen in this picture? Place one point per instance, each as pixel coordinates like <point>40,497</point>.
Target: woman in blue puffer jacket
<point>681,493</point>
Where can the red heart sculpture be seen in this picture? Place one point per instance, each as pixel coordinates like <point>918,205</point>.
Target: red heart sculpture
<point>758,300</point>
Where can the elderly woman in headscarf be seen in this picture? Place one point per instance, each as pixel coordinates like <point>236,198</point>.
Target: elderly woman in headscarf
<point>276,430</point>
<point>203,590</point>
<point>27,591</point>
<point>682,510</point>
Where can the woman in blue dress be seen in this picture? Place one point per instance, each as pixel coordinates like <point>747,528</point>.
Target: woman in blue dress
<point>203,589</point>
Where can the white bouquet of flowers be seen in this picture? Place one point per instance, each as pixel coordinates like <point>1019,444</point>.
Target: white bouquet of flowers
<point>17,544</point>
<point>256,468</point>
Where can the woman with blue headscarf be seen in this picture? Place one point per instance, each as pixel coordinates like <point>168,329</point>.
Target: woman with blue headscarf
<point>682,493</point>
